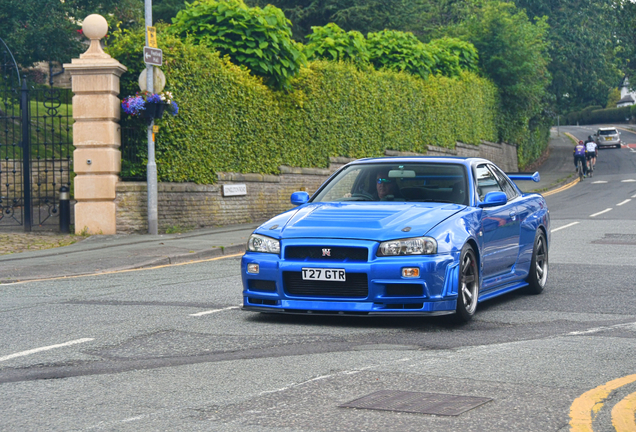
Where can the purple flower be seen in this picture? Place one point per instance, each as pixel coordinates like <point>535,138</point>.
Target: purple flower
<point>133,105</point>
<point>154,98</point>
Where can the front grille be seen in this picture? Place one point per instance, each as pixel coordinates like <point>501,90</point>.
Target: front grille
<point>318,253</point>
<point>356,285</point>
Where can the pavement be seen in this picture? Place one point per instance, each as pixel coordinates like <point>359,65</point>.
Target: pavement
<point>104,254</point>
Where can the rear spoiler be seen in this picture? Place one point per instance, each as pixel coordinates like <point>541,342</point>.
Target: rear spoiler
<point>535,177</point>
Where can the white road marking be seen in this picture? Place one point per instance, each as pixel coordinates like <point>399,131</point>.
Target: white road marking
<point>322,377</point>
<point>628,181</point>
<point>633,196</point>
<point>600,329</point>
<point>564,226</point>
<point>601,212</point>
<point>46,348</point>
<point>214,311</point>
<point>623,202</point>
<point>599,182</point>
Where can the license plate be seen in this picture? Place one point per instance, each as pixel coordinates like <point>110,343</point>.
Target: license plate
<point>323,274</point>
<point>608,138</point>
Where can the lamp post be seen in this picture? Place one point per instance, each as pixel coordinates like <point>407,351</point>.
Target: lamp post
<point>151,167</point>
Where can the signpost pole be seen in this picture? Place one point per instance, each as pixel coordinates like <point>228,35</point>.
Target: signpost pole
<point>151,168</point>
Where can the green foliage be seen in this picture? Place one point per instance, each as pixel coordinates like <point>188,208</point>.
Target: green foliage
<point>47,30</point>
<point>259,39</point>
<point>399,51</point>
<point>165,10</point>
<point>613,97</point>
<point>597,115</point>
<point>229,121</point>
<point>362,15</point>
<point>452,56</point>
<point>332,43</point>
<point>587,40</point>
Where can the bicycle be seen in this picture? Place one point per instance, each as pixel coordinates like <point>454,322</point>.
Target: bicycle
<point>579,169</point>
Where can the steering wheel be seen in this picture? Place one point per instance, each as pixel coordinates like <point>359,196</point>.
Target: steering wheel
<point>362,194</point>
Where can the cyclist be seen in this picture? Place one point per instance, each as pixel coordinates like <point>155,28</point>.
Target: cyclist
<point>579,154</point>
<point>591,152</point>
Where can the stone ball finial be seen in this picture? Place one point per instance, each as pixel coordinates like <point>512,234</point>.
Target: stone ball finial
<point>95,26</point>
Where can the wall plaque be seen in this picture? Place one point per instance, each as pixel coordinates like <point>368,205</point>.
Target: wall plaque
<point>234,190</point>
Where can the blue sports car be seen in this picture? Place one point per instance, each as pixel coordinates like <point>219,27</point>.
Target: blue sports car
<point>400,236</point>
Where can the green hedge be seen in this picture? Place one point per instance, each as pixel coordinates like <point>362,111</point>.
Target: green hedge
<point>230,121</point>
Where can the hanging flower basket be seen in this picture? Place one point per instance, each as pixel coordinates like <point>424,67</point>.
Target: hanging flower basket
<point>150,105</point>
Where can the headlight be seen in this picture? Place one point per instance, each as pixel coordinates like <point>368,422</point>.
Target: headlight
<point>409,246</point>
<point>259,243</point>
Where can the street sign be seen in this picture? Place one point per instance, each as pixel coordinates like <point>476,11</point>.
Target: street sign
<point>153,56</point>
<point>152,37</point>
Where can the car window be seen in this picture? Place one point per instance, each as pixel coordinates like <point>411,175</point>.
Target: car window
<point>509,189</point>
<point>486,181</point>
<point>608,132</point>
<point>413,182</point>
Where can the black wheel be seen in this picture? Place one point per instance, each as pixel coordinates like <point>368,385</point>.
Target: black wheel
<point>538,274</point>
<point>468,290</point>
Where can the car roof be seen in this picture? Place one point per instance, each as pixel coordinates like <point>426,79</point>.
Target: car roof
<point>414,159</point>
<point>607,128</point>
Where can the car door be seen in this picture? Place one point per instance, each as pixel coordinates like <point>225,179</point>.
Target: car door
<point>500,227</point>
<point>518,213</point>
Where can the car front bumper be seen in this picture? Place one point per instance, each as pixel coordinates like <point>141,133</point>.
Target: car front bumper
<point>380,288</point>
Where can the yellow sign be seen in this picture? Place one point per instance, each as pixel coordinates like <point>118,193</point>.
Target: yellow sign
<point>155,128</point>
<point>152,37</point>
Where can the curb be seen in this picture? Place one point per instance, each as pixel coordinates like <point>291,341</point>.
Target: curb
<point>167,260</point>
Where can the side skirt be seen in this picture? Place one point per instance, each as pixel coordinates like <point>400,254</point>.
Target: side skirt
<point>503,290</point>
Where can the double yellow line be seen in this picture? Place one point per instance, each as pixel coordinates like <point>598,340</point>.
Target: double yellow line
<point>562,188</point>
<point>586,407</point>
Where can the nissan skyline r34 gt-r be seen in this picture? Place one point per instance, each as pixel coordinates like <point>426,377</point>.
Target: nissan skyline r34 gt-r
<point>400,236</point>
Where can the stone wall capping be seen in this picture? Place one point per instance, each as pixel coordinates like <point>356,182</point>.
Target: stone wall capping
<point>340,159</point>
<point>401,153</point>
<point>440,151</point>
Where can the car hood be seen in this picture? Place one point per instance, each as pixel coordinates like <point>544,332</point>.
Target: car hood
<point>370,221</point>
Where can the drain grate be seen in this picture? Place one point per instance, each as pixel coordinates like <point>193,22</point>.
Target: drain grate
<point>417,402</point>
<point>617,239</point>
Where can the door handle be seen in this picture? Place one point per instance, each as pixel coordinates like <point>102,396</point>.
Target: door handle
<point>513,215</point>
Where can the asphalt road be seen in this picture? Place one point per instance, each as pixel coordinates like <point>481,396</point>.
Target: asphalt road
<point>169,349</point>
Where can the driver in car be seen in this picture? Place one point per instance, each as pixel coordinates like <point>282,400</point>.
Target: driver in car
<point>386,187</point>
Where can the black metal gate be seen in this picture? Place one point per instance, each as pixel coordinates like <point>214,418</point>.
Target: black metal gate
<point>36,148</point>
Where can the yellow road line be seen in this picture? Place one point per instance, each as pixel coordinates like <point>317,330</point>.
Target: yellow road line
<point>125,271</point>
<point>623,414</point>
<point>585,408</point>
<point>562,188</point>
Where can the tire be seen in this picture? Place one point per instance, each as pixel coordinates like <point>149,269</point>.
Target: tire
<point>468,289</point>
<point>538,273</point>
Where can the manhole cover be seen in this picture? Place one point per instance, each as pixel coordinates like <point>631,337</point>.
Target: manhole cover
<point>417,402</point>
<point>618,239</point>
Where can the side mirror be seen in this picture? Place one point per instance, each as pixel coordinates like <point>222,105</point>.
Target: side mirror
<point>493,199</point>
<point>299,198</point>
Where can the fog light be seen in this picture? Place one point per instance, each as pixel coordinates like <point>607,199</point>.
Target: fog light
<point>411,272</point>
<point>252,268</point>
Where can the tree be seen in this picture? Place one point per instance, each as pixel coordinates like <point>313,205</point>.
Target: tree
<point>512,53</point>
<point>582,47</point>
<point>332,43</point>
<point>166,10</point>
<point>48,30</point>
<point>399,51</point>
<point>259,39</point>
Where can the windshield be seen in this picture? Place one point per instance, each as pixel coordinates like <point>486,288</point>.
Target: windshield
<point>608,132</point>
<point>418,182</point>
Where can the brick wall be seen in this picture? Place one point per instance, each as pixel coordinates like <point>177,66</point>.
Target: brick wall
<point>188,205</point>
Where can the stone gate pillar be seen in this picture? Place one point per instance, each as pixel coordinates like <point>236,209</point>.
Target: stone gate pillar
<point>96,132</point>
